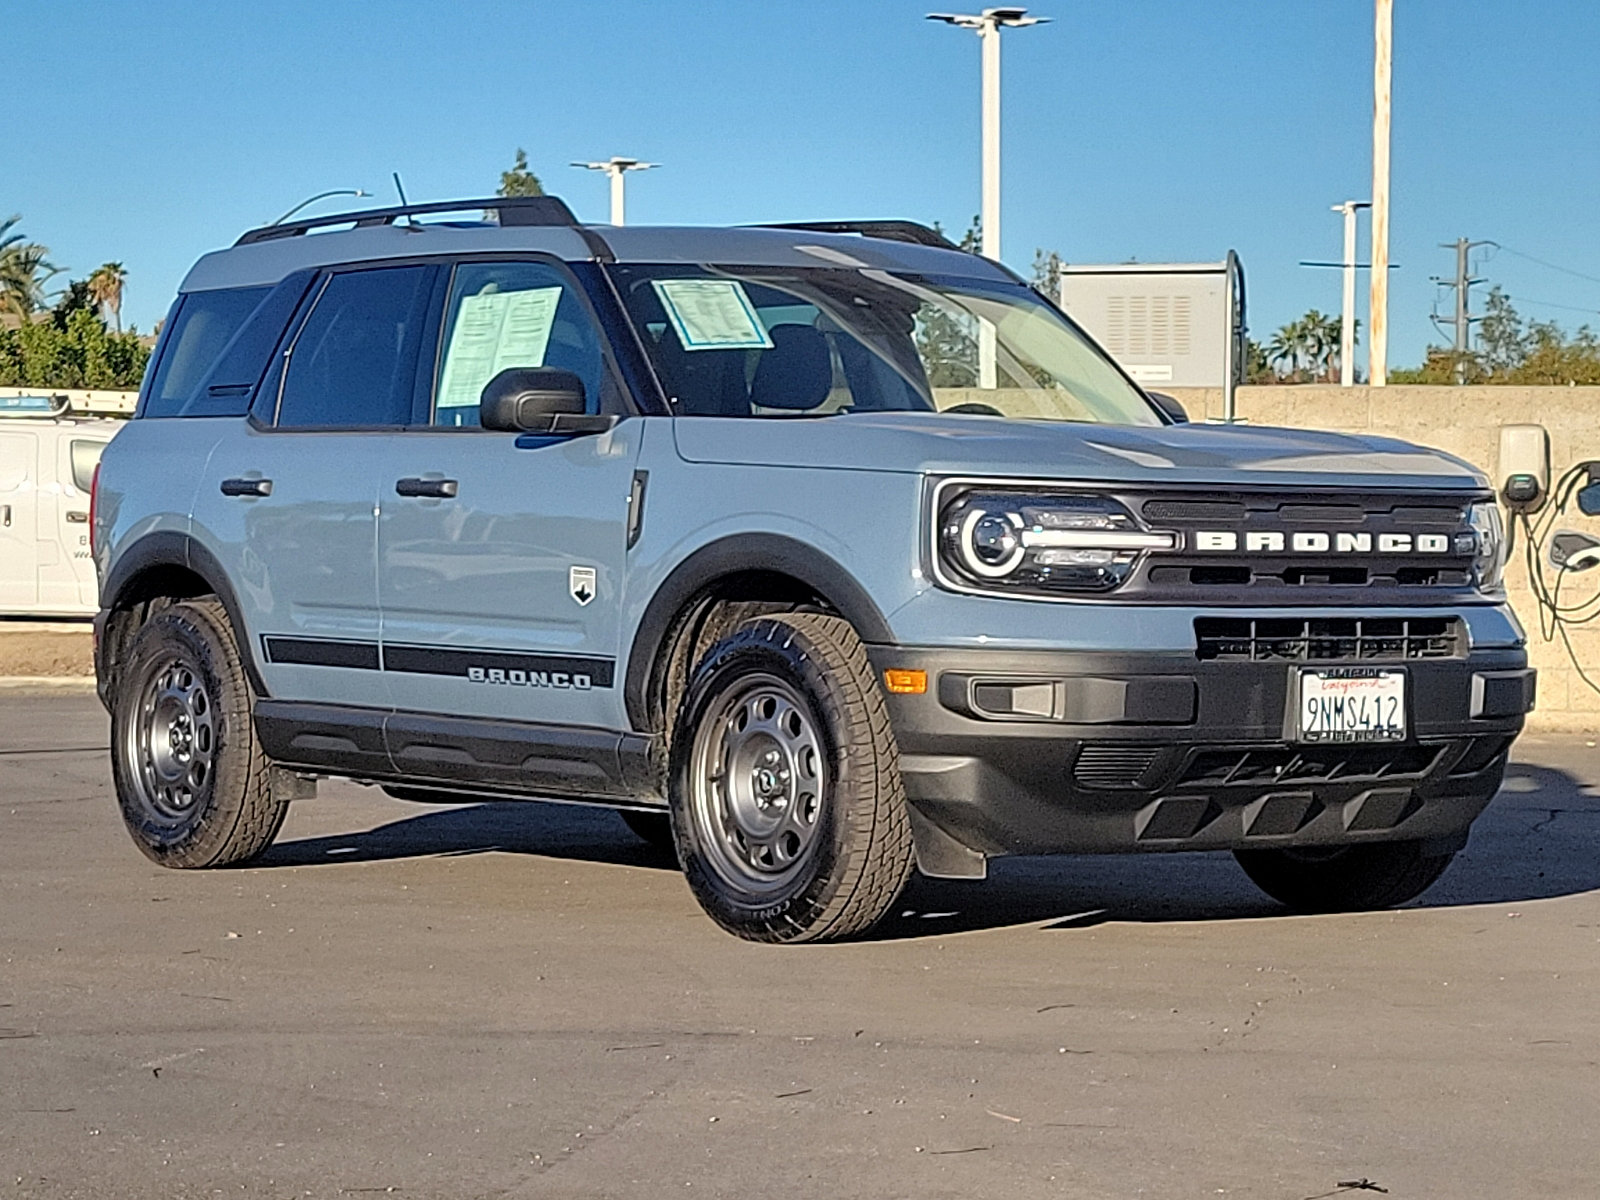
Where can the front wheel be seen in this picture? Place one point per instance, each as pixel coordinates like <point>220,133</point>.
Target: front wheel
<point>784,784</point>
<point>1344,878</point>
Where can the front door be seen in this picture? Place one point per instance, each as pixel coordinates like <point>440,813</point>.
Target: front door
<point>501,558</point>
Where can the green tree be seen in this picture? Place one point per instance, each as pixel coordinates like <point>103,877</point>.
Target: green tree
<point>519,181</point>
<point>1511,350</point>
<point>77,296</point>
<point>1047,274</point>
<point>25,268</point>
<point>946,340</point>
<point>106,286</point>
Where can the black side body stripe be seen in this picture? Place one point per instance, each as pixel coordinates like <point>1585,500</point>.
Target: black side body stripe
<point>321,652</point>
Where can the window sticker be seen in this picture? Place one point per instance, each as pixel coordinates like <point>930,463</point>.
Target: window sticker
<point>712,314</point>
<point>493,331</point>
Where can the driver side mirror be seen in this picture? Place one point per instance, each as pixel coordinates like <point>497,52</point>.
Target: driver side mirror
<point>1169,407</point>
<point>544,400</point>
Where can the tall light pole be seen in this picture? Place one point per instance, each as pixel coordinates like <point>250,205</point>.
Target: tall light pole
<point>616,168</point>
<point>987,24</point>
<point>1347,315</point>
<point>1378,306</point>
<point>320,196</point>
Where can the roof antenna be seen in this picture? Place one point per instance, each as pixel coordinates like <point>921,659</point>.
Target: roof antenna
<point>404,203</point>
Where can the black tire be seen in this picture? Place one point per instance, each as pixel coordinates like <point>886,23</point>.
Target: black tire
<point>839,850</point>
<point>1344,879</point>
<point>652,827</point>
<point>193,784</point>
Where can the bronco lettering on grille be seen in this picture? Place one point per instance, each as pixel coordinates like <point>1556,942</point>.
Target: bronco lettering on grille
<point>1316,542</point>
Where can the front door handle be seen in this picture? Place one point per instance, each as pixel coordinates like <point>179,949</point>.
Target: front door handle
<point>438,489</point>
<point>77,516</point>
<point>5,515</point>
<point>247,487</point>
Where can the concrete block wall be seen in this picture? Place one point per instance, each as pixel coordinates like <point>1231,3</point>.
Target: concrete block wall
<point>1466,422</point>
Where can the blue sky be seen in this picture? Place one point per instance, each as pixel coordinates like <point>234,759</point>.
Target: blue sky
<point>1150,129</point>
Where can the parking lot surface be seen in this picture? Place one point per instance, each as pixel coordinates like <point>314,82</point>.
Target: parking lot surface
<point>523,1000</point>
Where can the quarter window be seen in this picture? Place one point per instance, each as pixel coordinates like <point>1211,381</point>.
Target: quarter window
<point>504,315</point>
<point>204,325</point>
<point>354,361</point>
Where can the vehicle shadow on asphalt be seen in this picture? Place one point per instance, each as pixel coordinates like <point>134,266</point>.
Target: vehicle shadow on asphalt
<point>1536,841</point>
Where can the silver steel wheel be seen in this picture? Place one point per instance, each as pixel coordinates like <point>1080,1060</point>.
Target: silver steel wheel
<point>171,742</point>
<point>757,781</point>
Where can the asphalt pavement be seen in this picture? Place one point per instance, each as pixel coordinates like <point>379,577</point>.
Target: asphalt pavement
<point>523,1000</point>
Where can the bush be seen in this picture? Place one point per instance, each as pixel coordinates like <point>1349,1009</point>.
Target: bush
<point>82,355</point>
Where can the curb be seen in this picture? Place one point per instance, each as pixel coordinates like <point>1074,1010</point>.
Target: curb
<point>71,684</point>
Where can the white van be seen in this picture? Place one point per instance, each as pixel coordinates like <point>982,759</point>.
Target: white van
<point>47,465</point>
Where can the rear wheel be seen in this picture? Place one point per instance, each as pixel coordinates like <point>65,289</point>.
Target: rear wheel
<point>785,791</point>
<point>192,781</point>
<point>1344,878</point>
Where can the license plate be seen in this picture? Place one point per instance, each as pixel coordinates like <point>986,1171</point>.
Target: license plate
<point>1352,704</point>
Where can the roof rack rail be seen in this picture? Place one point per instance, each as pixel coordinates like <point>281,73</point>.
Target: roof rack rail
<point>894,231</point>
<point>512,210</point>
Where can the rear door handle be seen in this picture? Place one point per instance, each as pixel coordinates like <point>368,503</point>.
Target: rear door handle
<point>438,489</point>
<point>247,487</point>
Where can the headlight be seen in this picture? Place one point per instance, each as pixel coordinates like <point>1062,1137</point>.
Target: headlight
<point>1031,542</point>
<point>1489,558</point>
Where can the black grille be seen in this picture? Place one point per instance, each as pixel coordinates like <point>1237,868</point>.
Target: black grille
<point>1327,639</point>
<point>1308,764</point>
<point>1114,766</point>
<point>1322,547</point>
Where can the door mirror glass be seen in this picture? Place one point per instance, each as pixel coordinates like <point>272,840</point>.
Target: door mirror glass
<point>530,399</point>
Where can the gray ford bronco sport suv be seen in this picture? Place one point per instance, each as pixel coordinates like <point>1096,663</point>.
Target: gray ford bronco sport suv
<point>821,552</point>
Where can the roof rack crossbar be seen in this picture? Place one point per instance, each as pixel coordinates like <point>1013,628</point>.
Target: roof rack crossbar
<point>512,210</point>
<point>894,231</point>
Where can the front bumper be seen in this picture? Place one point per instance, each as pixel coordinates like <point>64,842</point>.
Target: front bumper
<point>1035,752</point>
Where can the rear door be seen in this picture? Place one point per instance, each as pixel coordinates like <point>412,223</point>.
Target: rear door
<point>19,506</point>
<point>294,493</point>
<point>500,582</point>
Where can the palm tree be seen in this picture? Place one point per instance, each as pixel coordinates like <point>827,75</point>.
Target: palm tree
<point>1288,346</point>
<point>24,268</point>
<point>105,286</point>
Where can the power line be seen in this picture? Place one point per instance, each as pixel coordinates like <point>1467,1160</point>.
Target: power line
<point>1541,262</point>
<point>1462,283</point>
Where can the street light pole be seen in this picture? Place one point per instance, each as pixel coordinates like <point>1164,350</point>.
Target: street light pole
<point>987,25</point>
<point>1378,304</point>
<point>1347,315</point>
<point>320,196</point>
<point>616,168</point>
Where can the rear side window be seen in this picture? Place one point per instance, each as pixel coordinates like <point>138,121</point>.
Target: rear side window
<point>204,325</point>
<point>354,360</point>
<point>85,457</point>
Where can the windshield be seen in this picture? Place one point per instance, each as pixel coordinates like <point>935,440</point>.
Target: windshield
<point>753,341</point>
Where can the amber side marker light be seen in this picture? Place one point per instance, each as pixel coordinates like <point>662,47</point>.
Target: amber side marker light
<point>901,682</point>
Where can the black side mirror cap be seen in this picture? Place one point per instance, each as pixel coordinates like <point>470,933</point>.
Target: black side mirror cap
<point>537,400</point>
<point>1169,407</point>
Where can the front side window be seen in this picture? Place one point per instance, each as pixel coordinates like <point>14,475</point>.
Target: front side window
<point>782,341</point>
<point>353,362</point>
<point>506,315</point>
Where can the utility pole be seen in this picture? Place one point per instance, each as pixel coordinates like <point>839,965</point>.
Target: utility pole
<point>616,168</point>
<point>1463,320</point>
<point>1378,300</point>
<point>1347,314</point>
<point>987,25</point>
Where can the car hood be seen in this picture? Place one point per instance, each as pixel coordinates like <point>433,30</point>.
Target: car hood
<point>933,443</point>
